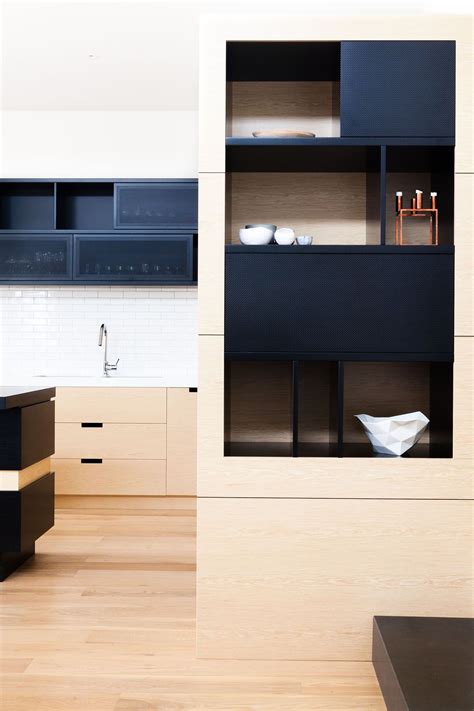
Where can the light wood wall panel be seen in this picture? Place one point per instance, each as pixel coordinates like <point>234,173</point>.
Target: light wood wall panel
<point>217,29</point>
<point>320,477</point>
<point>302,579</point>
<point>463,443</point>
<point>464,257</point>
<point>181,445</point>
<point>329,206</point>
<point>212,203</point>
<point>126,405</point>
<point>117,477</point>
<point>112,441</point>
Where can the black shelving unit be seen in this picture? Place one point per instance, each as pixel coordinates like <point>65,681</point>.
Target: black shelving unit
<point>98,232</point>
<point>315,335</point>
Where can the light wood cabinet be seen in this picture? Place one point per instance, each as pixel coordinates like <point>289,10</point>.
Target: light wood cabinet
<point>181,442</point>
<point>126,441</point>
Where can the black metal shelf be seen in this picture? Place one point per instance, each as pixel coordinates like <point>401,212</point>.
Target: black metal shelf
<point>338,249</point>
<point>339,141</point>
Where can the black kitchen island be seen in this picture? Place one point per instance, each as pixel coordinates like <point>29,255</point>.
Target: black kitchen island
<point>26,479</point>
<point>425,663</point>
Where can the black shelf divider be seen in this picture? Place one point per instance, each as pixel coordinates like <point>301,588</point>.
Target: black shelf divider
<point>383,189</point>
<point>340,408</point>
<point>295,403</point>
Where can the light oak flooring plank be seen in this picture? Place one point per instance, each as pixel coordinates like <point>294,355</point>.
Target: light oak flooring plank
<point>103,619</point>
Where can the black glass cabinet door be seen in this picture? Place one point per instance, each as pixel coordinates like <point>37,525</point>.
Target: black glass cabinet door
<point>133,258</point>
<point>35,257</point>
<point>397,88</point>
<point>165,205</point>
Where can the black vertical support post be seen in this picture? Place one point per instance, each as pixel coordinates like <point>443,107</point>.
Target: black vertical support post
<point>295,403</point>
<point>340,408</point>
<point>383,187</point>
<point>55,206</point>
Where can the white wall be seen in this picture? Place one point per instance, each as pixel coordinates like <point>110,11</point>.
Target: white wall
<point>109,144</point>
<point>54,332</point>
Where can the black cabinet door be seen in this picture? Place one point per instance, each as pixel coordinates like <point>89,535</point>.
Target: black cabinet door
<point>164,205</point>
<point>397,88</point>
<point>39,257</point>
<point>123,258</point>
<point>337,305</point>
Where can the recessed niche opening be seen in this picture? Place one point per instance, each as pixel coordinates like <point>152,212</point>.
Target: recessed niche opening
<point>258,409</point>
<point>393,388</point>
<point>283,86</point>
<point>339,207</point>
<point>85,206</point>
<point>27,206</point>
<point>429,169</point>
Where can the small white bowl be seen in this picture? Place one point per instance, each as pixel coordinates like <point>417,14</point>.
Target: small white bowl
<point>255,235</point>
<point>285,236</point>
<point>304,240</point>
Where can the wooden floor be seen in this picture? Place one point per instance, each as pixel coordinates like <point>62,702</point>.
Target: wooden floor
<point>103,620</point>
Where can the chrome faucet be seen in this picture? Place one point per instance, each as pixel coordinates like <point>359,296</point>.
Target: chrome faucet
<point>103,339</point>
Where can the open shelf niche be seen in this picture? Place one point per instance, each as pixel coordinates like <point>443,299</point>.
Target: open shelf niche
<point>26,206</point>
<point>85,206</point>
<point>283,85</point>
<point>329,192</point>
<point>426,168</point>
<point>307,408</point>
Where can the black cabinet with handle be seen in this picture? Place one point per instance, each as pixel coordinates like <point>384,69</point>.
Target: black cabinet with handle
<point>397,88</point>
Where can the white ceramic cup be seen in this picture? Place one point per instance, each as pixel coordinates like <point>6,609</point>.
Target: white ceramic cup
<point>304,240</point>
<point>285,236</point>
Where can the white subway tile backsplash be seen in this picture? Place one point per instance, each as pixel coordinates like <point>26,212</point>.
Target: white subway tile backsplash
<point>54,332</point>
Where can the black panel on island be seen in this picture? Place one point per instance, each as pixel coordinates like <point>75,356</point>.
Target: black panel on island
<point>26,482</point>
<point>425,663</point>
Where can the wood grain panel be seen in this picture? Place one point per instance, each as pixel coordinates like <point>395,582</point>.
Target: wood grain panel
<point>181,444</point>
<point>320,477</point>
<point>463,444</point>
<point>111,404</point>
<point>329,206</point>
<point>303,105</point>
<point>116,477</point>
<point>464,260</point>
<point>112,441</point>
<point>211,253</point>
<point>15,480</point>
<point>302,579</point>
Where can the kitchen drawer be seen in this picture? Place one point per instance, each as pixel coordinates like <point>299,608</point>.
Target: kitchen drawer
<point>111,477</point>
<point>26,514</point>
<point>111,405</point>
<point>181,442</point>
<point>110,441</point>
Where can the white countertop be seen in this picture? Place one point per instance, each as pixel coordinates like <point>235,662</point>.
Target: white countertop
<point>114,381</point>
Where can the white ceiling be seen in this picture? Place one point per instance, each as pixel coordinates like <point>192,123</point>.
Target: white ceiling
<point>129,56</point>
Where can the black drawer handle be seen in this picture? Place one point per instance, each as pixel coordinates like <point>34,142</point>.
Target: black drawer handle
<point>86,460</point>
<point>193,390</point>
<point>92,424</point>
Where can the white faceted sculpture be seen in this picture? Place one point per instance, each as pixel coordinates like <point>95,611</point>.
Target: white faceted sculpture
<point>393,436</point>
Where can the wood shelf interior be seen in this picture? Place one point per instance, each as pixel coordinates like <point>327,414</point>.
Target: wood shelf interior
<point>26,206</point>
<point>426,168</point>
<point>337,207</point>
<point>308,408</point>
<point>283,85</point>
<point>85,206</point>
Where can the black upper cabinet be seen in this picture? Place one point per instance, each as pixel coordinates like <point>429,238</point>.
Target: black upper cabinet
<point>398,88</point>
<point>165,205</point>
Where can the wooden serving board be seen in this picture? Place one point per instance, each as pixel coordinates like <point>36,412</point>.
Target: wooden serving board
<point>281,133</point>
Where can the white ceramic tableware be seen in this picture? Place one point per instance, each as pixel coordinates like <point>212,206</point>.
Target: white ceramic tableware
<point>255,235</point>
<point>304,240</point>
<point>285,236</point>
<point>393,436</point>
<point>273,228</point>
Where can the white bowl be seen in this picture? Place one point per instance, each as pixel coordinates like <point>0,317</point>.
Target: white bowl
<point>304,240</point>
<point>284,236</point>
<point>255,235</point>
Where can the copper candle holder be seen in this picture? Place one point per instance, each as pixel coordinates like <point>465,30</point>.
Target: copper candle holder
<point>416,212</point>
